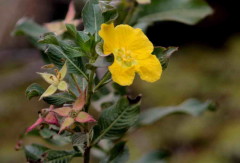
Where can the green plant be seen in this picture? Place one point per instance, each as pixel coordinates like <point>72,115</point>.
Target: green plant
<point>73,60</point>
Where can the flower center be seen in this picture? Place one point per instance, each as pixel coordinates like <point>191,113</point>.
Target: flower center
<point>73,114</point>
<point>124,57</point>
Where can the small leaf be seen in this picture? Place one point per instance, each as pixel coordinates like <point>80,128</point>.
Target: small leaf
<point>50,91</point>
<point>72,51</point>
<point>191,106</point>
<point>49,38</point>
<point>54,156</point>
<point>34,152</point>
<point>52,137</point>
<point>154,157</point>
<point>35,124</point>
<point>118,154</point>
<point>117,119</point>
<point>79,141</point>
<point>99,49</point>
<point>39,153</point>
<point>34,90</point>
<point>63,111</point>
<point>59,99</point>
<point>84,41</point>
<point>51,119</point>
<point>63,86</point>
<point>66,123</point>
<point>84,117</point>
<point>49,78</point>
<point>71,29</point>
<point>80,37</point>
<point>163,54</point>
<point>92,17</point>
<point>80,102</point>
<point>63,71</point>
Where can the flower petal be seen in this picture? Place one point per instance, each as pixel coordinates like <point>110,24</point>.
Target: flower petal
<point>50,90</point>
<point>122,75</point>
<point>149,69</point>
<point>63,86</point>
<point>84,117</point>
<point>66,123</point>
<point>49,78</point>
<point>38,122</point>
<point>80,102</point>
<point>51,119</point>
<point>133,40</point>
<point>108,35</point>
<point>64,111</point>
<point>63,71</point>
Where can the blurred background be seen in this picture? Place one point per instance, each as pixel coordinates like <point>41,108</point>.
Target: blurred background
<point>205,67</point>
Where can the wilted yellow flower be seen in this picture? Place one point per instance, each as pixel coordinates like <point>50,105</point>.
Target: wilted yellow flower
<point>132,52</point>
<point>56,81</point>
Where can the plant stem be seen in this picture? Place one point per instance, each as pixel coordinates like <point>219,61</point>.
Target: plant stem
<point>103,81</point>
<point>90,89</point>
<point>86,157</point>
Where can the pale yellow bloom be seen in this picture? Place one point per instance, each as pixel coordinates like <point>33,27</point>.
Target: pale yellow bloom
<point>56,81</point>
<point>132,52</point>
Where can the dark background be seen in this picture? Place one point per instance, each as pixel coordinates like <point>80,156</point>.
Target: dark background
<point>205,67</point>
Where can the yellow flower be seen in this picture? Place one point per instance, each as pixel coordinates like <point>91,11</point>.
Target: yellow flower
<point>132,54</point>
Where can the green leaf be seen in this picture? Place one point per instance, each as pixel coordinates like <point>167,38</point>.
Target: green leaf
<point>59,98</point>
<point>68,46</point>
<point>54,156</point>
<point>191,106</point>
<point>34,90</point>
<point>163,54</point>
<point>56,55</point>
<point>109,14</point>
<point>39,153</point>
<point>184,11</point>
<point>80,38</point>
<point>79,141</point>
<point>92,17</point>
<point>34,152</point>
<point>32,30</point>
<point>71,29</point>
<point>154,157</point>
<point>54,138</point>
<point>49,38</point>
<point>118,154</point>
<point>117,119</point>
<point>72,51</point>
<point>99,48</point>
